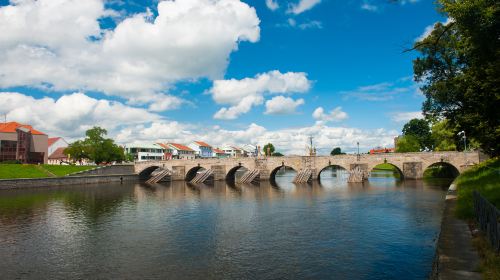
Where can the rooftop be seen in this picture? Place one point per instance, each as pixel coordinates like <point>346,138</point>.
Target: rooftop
<point>58,154</point>
<point>202,144</point>
<point>11,127</point>
<point>53,140</point>
<point>180,147</point>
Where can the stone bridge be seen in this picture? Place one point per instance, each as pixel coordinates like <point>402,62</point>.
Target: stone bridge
<point>410,165</point>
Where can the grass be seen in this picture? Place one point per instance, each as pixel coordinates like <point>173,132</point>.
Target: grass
<point>485,178</point>
<point>386,166</point>
<point>17,171</point>
<point>490,261</point>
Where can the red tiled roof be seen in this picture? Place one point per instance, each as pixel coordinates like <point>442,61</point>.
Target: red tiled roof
<point>217,151</point>
<point>11,127</point>
<point>58,154</point>
<point>165,146</point>
<point>53,140</point>
<point>202,144</point>
<point>181,147</point>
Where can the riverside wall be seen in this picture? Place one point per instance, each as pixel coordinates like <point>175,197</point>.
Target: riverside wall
<point>6,184</point>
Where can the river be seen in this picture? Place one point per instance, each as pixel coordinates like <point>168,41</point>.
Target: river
<point>382,229</point>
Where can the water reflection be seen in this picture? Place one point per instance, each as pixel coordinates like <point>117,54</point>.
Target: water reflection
<point>380,229</point>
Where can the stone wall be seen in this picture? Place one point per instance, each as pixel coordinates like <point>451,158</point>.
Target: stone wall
<point>108,170</point>
<point>6,184</point>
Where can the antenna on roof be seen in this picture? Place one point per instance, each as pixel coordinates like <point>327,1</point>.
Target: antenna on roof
<point>5,117</point>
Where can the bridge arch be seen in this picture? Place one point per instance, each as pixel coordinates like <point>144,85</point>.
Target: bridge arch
<point>441,169</point>
<point>272,175</point>
<point>146,172</point>
<point>384,166</point>
<point>231,174</point>
<point>330,166</point>
<point>191,173</point>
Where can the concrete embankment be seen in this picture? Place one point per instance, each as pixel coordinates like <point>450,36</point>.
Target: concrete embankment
<point>107,170</point>
<point>456,258</point>
<point>6,184</point>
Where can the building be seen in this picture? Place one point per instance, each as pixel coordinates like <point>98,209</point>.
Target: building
<point>167,151</point>
<point>23,143</point>
<point>56,146</point>
<point>232,151</point>
<point>250,150</point>
<point>218,153</point>
<point>144,152</point>
<point>201,149</point>
<point>180,151</point>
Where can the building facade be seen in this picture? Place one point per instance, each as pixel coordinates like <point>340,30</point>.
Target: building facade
<point>201,149</point>
<point>145,152</point>
<point>21,142</point>
<point>180,151</point>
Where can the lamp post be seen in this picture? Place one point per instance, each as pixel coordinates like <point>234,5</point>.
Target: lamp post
<point>465,144</point>
<point>358,156</point>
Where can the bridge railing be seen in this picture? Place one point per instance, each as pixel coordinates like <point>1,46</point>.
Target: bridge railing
<point>488,217</point>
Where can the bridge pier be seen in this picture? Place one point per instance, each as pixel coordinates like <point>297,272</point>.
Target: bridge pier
<point>412,170</point>
<point>219,172</point>
<point>178,173</point>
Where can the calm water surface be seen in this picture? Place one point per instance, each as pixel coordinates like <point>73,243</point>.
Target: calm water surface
<point>382,229</point>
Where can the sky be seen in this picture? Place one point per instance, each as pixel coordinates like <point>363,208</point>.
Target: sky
<point>220,71</point>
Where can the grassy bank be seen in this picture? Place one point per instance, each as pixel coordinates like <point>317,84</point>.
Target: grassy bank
<point>485,178</point>
<point>17,171</point>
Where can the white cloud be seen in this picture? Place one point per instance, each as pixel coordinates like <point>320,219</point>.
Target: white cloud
<point>243,106</point>
<point>164,102</point>
<point>245,93</point>
<point>280,105</point>
<point>369,7</point>
<point>70,115</point>
<point>379,92</point>
<point>335,115</point>
<point>406,116</point>
<point>46,43</point>
<point>272,5</point>
<point>428,30</point>
<point>302,6</point>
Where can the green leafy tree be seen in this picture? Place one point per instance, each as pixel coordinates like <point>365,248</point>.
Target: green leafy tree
<point>407,144</point>
<point>443,136</point>
<point>96,147</point>
<point>336,151</point>
<point>419,129</point>
<point>268,149</point>
<point>459,67</point>
<point>278,154</point>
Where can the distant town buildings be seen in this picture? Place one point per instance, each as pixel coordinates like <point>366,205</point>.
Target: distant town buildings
<point>180,151</point>
<point>21,142</point>
<point>56,147</point>
<point>143,152</point>
<point>201,149</point>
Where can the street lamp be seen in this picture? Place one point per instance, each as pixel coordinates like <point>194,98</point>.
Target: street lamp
<point>465,139</point>
<point>358,156</point>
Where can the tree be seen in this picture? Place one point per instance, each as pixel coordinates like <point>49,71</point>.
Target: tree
<point>336,151</point>
<point>96,147</point>
<point>278,154</point>
<point>459,67</point>
<point>420,129</point>
<point>407,144</point>
<point>443,136</point>
<point>270,151</point>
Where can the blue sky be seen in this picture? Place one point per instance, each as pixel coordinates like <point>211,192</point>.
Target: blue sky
<point>334,69</point>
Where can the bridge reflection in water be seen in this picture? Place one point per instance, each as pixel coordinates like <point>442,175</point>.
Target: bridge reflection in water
<point>380,229</point>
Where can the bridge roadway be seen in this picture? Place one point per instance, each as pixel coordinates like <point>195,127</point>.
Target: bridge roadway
<point>410,165</point>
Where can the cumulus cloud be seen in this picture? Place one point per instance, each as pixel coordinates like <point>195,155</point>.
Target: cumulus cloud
<point>280,105</point>
<point>272,5</point>
<point>428,30</point>
<point>369,7</point>
<point>302,6</point>
<point>70,115</point>
<point>406,116</point>
<point>245,93</point>
<point>59,45</point>
<point>335,115</point>
<point>379,92</point>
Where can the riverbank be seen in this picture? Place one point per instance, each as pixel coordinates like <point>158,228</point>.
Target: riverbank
<point>22,171</point>
<point>6,184</point>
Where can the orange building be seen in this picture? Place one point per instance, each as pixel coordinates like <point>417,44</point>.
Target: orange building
<point>21,142</point>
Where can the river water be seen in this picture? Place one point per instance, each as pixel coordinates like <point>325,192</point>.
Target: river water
<point>382,229</point>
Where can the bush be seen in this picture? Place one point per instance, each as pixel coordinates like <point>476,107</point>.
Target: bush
<point>10,162</point>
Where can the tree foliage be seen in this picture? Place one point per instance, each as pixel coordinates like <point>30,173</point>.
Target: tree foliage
<point>443,136</point>
<point>278,154</point>
<point>419,129</point>
<point>96,147</point>
<point>407,144</point>
<point>270,151</point>
<point>459,66</point>
<point>336,151</point>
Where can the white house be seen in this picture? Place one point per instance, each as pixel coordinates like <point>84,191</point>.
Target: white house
<point>56,146</point>
<point>201,149</point>
<point>180,151</point>
<point>250,150</point>
<point>144,152</point>
<point>232,151</point>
